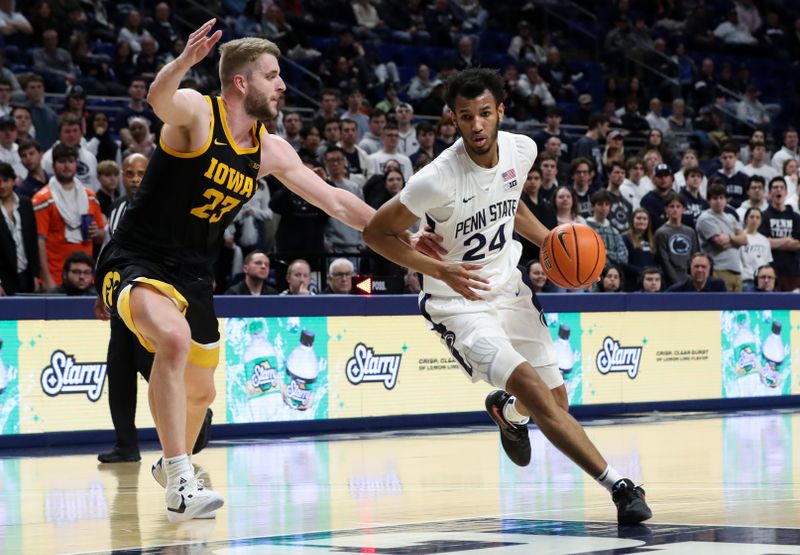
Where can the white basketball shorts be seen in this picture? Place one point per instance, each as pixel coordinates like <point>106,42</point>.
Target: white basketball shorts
<point>490,338</point>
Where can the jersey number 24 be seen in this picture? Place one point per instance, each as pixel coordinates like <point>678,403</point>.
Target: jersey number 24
<point>478,241</point>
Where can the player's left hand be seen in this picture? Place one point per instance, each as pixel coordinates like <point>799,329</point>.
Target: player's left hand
<point>100,310</point>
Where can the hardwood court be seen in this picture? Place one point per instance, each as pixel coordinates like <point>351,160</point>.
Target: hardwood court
<point>714,483</point>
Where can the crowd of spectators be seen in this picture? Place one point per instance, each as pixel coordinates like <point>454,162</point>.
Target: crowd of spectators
<point>685,172</point>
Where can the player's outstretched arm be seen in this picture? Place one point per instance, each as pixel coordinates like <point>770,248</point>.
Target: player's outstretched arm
<point>529,226</point>
<point>181,107</point>
<point>280,159</point>
<point>384,234</point>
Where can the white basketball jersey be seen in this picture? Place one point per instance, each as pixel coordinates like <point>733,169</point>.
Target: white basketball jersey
<point>473,208</point>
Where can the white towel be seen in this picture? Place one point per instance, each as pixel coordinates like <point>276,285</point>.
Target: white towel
<point>70,204</point>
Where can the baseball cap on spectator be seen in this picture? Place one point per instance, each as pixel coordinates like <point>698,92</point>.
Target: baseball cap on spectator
<point>662,169</point>
<point>77,91</point>
<point>405,105</point>
<point>614,133</point>
<point>585,98</point>
<point>7,121</point>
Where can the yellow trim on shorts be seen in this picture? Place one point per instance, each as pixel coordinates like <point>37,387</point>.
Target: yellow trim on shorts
<point>204,356</point>
<point>196,153</point>
<point>124,306</point>
<point>234,146</point>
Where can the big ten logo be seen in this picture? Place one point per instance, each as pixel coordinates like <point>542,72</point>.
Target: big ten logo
<point>615,358</point>
<point>219,203</point>
<point>64,375</point>
<point>366,366</point>
<point>110,285</point>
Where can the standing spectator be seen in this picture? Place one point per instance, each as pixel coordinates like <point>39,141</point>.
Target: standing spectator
<point>301,228</point>
<point>699,280</point>
<point>735,181</point>
<point>31,155</point>
<point>693,200</point>
<point>256,272</point>
<point>689,160</point>
<point>675,242</point>
<point>614,151</point>
<point>582,173</point>
<point>54,63</point>
<point>329,108</point>
<point>293,125</point>
<point>248,228</point>
<point>9,149</point>
<point>588,146</point>
<point>426,139</point>
<point>69,134</point>
<point>359,166</point>
<point>543,211</point>
<point>756,198</point>
<point>621,209</point>
<point>339,237</point>
<point>340,277</point>
<point>639,242</point>
<point>298,279</point>
<point>615,247</point>
<point>45,120</point>
<point>19,249</point>
<point>720,236</point>
<point>656,200</point>
<point>24,121</point>
<point>60,207</point>
<point>758,162</point>
<point>552,128</point>
<point>137,106</point>
<point>355,101</point>
<point>77,277</point>
<point>390,140</point>
<point>566,205</point>
<point>408,144</point>
<point>108,176</point>
<point>637,185</point>
<point>788,150</point>
<point>756,252</point>
<point>549,169</point>
<point>781,225</point>
<point>371,142</point>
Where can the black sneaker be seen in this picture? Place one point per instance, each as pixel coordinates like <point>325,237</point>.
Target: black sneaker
<point>630,501</point>
<point>205,433</point>
<point>513,437</point>
<point>117,455</point>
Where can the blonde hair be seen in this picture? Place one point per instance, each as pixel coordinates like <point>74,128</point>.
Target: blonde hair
<point>107,167</point>
<point>237,55</point>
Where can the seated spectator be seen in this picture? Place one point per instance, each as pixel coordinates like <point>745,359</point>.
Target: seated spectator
<point>426,139</point>
<point>751,110</point>
<point>523,48</point>
<point>639,243</point>
<point>359,166</point>
<point>632,120</point>
<point>69,134</point>
<point>731,32</point>
<point>137,106</point>
<point>403,115</point>
<point>54,63</point>
<point>124,63</point>
<point>556,73</point>
<point>543,211</point>
<point>75,104</point>
<point>720,236</point>
<point>19,249</point>
<point>108,176</point>
<point>655,118</point>
<point>371,142</point>
<point>699,280</point>
<point>789,149</point>
<point>675,242</point>
<point>759,162</point>
<point>614,151</point>
<point>298,279</point>
<point>45,120</point>
<point>160,27</point>
<point>756,197</point>
<point>340,237</point>
<point>390,151</point>
<point>77,277</point>
<point>656,200</point>
<point>621,209</point>
<point>378,192</point>
<point>693,200</point>
<point>566,204</point>
<point>9,149</point>
<point>650,280</point>
<point>765,279</point>
<point>355,113</point>
<point>14,27</point>
<point>538,277</point>
<point>30,154</point>
<point>133,31</point>
<point>256,272</point>
<point>340,277</point>
<point>411,285</point>
<point>756,253</point>
<point>5,96</point>
<point>310,141</point>
<point>638,184</point>
<point>611,280</point>
<point>139,139</point>
<point>446,132</point>
<point>24,120</point>
<point>147,60</point>
<point>616,252</point>
<point>582,184</point>
<point>99,140</point>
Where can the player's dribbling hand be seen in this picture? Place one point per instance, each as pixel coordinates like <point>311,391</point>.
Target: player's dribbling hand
<point>200,43</point>
<point>462,279</point>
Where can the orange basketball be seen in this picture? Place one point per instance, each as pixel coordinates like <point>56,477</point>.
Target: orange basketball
<point>573,255</point>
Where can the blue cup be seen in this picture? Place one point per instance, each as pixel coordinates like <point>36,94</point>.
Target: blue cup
<point>86,221</point>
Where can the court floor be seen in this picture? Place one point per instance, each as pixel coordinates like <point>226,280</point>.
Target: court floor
<point>717,485</point>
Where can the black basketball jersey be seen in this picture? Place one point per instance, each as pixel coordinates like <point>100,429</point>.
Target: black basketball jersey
<point>186,200</point>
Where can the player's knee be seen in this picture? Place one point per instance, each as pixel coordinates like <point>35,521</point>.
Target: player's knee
<point>201,395</point>
<point>173,345</point>
<point>526,385</point>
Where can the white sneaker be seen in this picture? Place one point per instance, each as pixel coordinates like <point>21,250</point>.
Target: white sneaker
<point>190,499</point>
<point>160,475</point>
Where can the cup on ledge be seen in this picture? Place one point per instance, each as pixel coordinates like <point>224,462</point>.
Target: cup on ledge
<point>86,221</point>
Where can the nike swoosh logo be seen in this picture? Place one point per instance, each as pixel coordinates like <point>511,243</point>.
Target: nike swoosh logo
<point>563,245</point>
<point>468,199</point>
<point>217,142</point>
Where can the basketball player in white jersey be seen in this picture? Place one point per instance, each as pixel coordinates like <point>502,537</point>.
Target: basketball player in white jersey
<point>475,297</point>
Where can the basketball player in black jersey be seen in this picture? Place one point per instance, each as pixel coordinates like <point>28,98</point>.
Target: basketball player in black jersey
<point>157,270</point>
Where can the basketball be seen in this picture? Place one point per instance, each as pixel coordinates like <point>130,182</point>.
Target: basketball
<point>573,255</point>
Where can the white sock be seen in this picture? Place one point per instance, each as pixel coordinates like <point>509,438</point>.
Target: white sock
<point>178,467</point>
<point>511,413</point>
<point>608,478</point>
